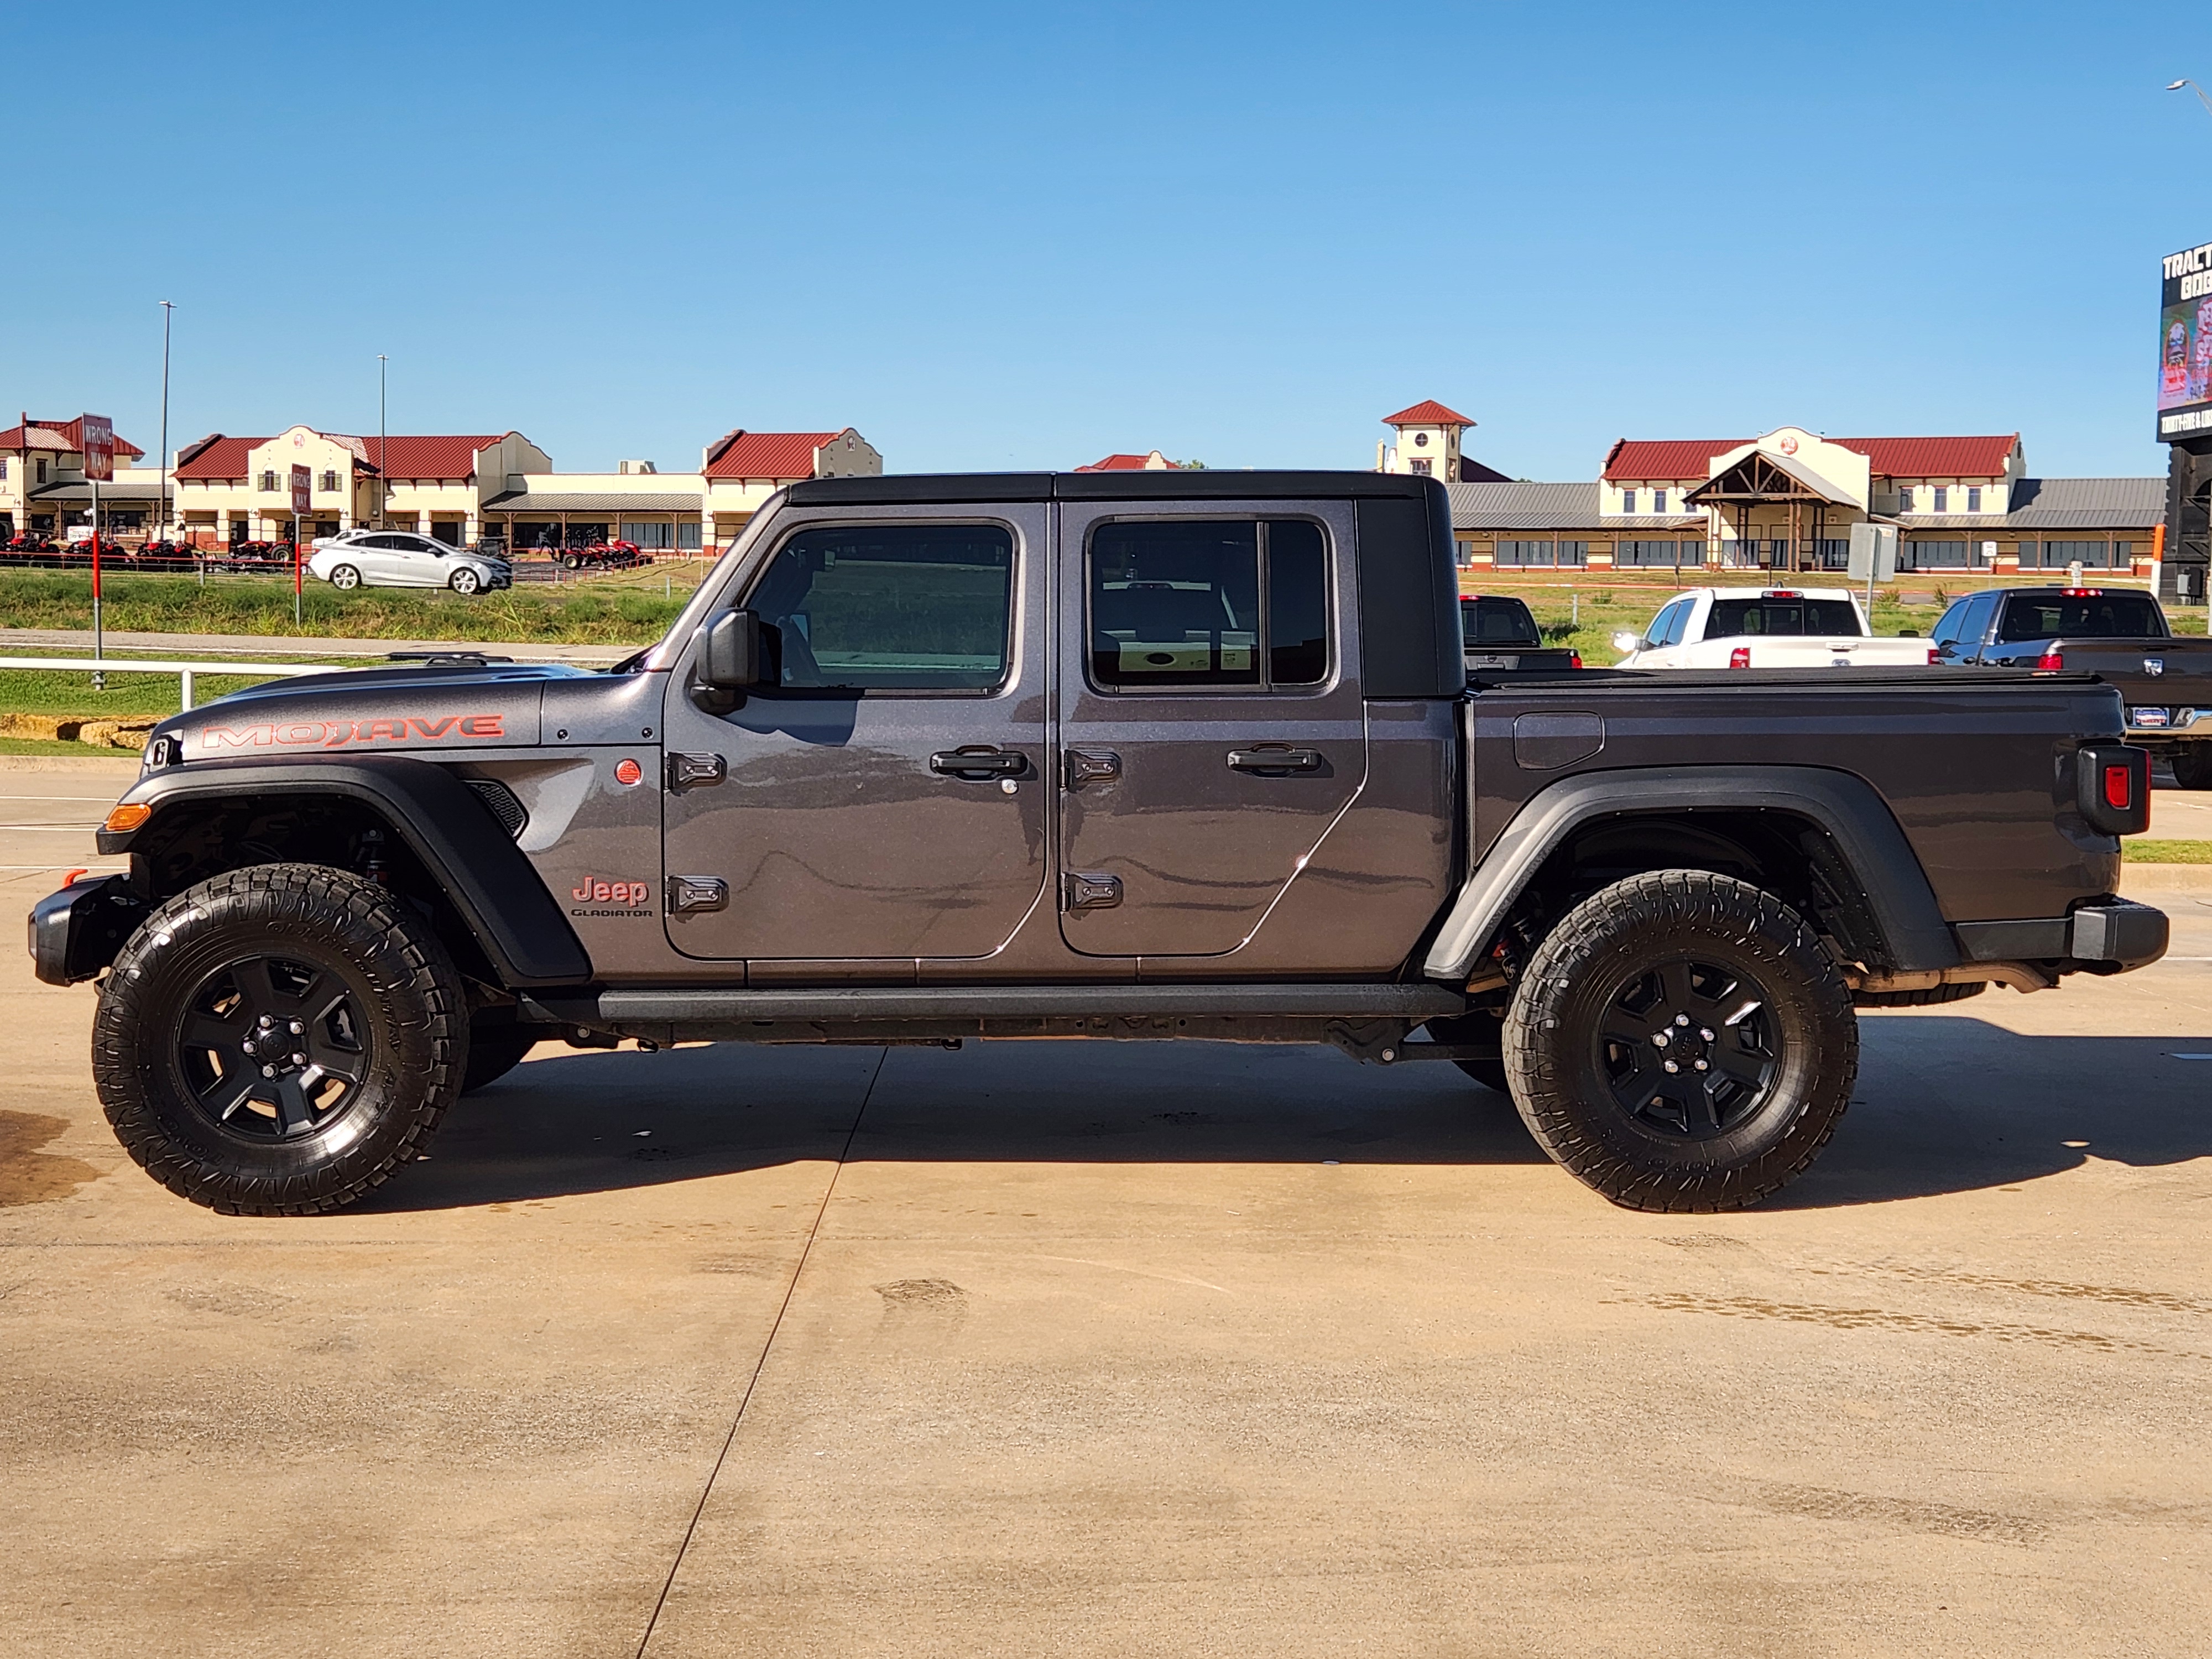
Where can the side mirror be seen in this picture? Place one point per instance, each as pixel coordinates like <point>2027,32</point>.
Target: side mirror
<point>1625,643</point>
<point>732,652</point>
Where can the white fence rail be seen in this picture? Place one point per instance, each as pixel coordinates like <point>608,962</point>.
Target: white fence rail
<point>184,672</point>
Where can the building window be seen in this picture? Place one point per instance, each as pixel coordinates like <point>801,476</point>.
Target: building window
<point>2124,554</point>
<point>1524,553</point>
<point>1658,501</point>
<point>4,468</point>
<point>1628,500</point>
<point>1420,465</point>
<point>649,534</point>
<point>1835,554</point>
<point>1942,499</point>
<point>1973,498</point>
<point>687,538</point>
<point>1904,498</point>
<point>1934,555</point>
<point>1668,553</point>
<point>269,484</point>
<point>330,483</point>
<point>42,472</point>
<point>2093,556</point>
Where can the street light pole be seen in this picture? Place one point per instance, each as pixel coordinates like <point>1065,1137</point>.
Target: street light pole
<point>383,479</point>
<point>2176,86</point>
<point>168,306</point>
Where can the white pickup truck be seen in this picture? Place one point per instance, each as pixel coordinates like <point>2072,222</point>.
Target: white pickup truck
<point>1766,627</point>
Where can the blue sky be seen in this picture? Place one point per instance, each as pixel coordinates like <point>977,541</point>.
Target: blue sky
<point>1020,235</point>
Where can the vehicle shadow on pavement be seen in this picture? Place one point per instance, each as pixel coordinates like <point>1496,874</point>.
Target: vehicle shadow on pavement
<point>1944,1103</point>
<point>1949,1103</point>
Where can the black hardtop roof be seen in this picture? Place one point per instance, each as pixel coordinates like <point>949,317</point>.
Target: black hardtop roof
<point>897,488</point>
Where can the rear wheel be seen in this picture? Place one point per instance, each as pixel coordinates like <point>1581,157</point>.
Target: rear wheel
<point>279,1040</point>
<point>2192,765</point>
<point>345,578</point>
<point>1680,1042</point>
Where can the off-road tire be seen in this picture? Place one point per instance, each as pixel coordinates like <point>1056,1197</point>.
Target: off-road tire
<point>495,1051</point>
<point>2192,765</point>
<point>1927,997</point>
<point>344,578</point>
<point>1558,1056</point>
<point>413,1033</point>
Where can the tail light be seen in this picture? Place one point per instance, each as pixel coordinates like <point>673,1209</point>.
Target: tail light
<point>2080,593</point>
<point>1574,659</point>
<point>1741,656</point>
<point>2051,662</point>
<point>1933,653</point>
<point>2112,788</point>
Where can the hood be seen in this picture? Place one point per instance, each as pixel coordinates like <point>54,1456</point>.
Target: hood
<point>435,707</point>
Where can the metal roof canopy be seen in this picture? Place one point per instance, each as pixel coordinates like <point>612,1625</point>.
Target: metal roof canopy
<point>522,503</point>
<point>1759,477</point>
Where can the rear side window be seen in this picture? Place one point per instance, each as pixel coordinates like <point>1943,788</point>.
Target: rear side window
<point>891,607</point>
<point>1488,621</point>
<point>1219,602</point>
<point>2099,617</point>
<point>1768,617</point>
<point>1948,628</point>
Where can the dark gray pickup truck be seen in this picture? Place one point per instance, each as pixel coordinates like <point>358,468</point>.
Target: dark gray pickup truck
<point>2118,633</point>
<point>1114,755</point>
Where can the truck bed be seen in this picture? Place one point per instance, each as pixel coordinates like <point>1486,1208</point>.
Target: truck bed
<point>1968,761</point>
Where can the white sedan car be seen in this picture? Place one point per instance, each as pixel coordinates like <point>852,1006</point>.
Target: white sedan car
<point>400,558</point>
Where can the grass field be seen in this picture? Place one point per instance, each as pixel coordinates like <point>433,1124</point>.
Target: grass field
<point>631,607</point>
<point>2140,851</point>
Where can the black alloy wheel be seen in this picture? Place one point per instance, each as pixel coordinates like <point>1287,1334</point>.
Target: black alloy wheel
<point>274,1048</point>
<point>1688,1048</point>
<point>279,1040</point>
<point>1680,1041</point>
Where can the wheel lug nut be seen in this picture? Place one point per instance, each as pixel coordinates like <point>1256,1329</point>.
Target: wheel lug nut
<point>1672,1067</point>
<point>1681,1020</point>
<point>301,1060</point>
<point>298,1030</point>
<point>266,1021</point>
<point>1708,1036</point>
<point>269,1071</point>
<point>1701,1065</point>
<point>1660,1037</point>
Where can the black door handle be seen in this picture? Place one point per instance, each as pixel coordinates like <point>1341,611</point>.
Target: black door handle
<point>1275,760</point>
<point>974,763</point>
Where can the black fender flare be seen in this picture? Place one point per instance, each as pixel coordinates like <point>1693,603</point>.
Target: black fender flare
<point>1855,817</point>
<point>496,891</point>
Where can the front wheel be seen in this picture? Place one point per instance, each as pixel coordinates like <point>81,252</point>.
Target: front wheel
<point>279,1040</point>
<point>1682,1042</point>
<point>345,578</point>
<point>2192,765</point>
<point>465,582</point>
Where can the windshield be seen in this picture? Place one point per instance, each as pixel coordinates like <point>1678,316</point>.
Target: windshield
<point>1487,622</point>
<point>1824,618</point>
<point>2088,617</point>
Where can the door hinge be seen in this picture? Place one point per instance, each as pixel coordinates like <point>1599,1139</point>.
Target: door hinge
<point>1089,890</point>
<point>695,771</point>
<point>690,895</point>
<point>1084,767</point>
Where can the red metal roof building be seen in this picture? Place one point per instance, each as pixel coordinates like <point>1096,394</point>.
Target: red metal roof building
<point>1151,461</point>
<point>49,456</point>
<point>1428,435</point>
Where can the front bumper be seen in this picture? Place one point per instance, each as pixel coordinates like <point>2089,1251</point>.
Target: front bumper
<point>75,933</point>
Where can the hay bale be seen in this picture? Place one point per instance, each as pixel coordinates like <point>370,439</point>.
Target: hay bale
<point>116,734</point>
<point>49,728</point>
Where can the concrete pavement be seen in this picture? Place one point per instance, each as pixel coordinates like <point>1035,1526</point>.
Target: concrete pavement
<point>1137,1349</point>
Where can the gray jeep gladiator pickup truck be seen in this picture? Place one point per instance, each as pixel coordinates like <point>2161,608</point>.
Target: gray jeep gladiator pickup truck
<point>1105,755</point>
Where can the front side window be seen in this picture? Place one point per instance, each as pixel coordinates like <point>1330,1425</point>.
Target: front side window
<point>1179,602</point>
<point>891,607</point>
<point>1655,634</point>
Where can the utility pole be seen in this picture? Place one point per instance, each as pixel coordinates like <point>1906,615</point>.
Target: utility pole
<point>168,306</point>
<point>383,478</point>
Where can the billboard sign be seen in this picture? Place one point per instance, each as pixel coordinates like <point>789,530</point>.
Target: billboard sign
<point>2184,345</point>
<point>98,447</point>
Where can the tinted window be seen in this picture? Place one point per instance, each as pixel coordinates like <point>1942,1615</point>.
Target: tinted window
<point>1177,603</point>
<point>1678,624</point>
<point>916,607</point>
<point>1764,616</point>
<point>2104,616</point>
<point>1948,628</point>
<point>1656,633</point>
<point>1491,622</point>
